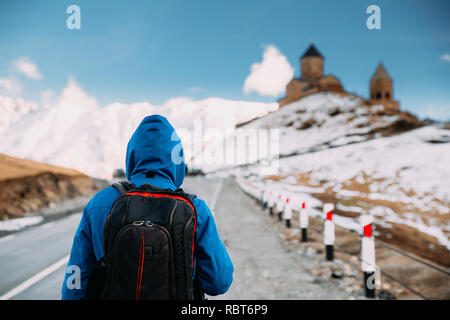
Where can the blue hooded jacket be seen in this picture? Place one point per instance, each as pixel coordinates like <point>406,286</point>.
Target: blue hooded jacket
<point>154,147</point>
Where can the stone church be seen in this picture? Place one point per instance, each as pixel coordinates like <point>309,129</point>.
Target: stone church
<point>313,80</point>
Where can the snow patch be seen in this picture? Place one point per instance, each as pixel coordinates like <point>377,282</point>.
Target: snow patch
<point>19,223</point>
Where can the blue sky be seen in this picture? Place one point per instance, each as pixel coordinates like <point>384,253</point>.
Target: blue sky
<point>130,51</point>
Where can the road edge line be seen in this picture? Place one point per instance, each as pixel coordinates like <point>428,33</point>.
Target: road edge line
<point>34,279</point>
<point>7,238</point>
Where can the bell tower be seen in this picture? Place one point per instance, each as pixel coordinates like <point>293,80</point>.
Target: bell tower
<point>381,88</point>
<point>311,64</point>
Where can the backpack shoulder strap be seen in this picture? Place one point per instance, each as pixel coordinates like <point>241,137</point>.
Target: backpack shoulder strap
<point>147,187</point>
<point>123,186</point>
<point>190,196</point>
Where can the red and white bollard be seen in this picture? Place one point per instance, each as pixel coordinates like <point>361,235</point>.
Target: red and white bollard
<point>271,202</point>
<point>288,212</point>
<point>368,256</point>
<point>304,220</point>
<point>280,207</point>
<point>328,230</point>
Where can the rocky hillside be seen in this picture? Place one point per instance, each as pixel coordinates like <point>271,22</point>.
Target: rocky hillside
<point>327,120</point>
<point>27,186</point>
<point>364,159</point>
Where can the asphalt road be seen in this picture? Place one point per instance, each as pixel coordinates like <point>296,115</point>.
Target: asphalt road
<point>33,261</point>
<point>25,254</point>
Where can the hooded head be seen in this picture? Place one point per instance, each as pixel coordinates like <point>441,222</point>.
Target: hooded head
<point>155,152</point>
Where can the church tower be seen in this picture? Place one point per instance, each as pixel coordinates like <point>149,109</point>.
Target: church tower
<point>312,79</point>
<point>381,88</point>
<point>312,63</point>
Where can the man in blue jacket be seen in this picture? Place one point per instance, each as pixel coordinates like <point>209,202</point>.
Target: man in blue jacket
<point>154,156</point>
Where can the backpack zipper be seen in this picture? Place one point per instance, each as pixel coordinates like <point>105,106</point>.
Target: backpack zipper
<point>186,250</point>
<point>141,258</point>
<point>141,261</point>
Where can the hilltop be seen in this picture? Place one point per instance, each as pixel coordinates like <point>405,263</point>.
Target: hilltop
<point>27,186</point>
<point>327,120</point>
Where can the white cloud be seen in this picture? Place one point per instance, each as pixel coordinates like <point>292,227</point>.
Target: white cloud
<point>446,57</point>
<point>9,85</point>
<point>269,77</point>
<point>28,68</point>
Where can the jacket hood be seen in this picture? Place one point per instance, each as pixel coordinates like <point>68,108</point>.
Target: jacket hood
<point>155,151</point>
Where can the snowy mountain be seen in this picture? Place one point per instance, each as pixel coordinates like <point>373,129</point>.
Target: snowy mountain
<point>76,132</point>
<point>12,110</point>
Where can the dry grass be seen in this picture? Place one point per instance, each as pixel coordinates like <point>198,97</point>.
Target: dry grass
<point>12,168</point>
<point>27,186</point>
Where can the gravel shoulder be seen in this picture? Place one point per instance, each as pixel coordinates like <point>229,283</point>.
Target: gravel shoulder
<point>265,266</point>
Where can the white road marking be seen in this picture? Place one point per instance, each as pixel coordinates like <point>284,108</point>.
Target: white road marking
<point>36,278</point>
<point>4,239</point>
<point>47,225</point>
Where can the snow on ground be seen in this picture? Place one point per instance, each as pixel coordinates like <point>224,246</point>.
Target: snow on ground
<point>19,223</point>
<point>316,122</point>
<point>394,166</point>
<point>313,205</point>
<point>384,216</point>
<point>322,119</point>
<point>76,132</point>
<point>405,169</point>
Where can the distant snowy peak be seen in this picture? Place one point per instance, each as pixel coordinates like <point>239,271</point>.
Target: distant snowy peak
<point>76,132</point>
<point>13,110</point>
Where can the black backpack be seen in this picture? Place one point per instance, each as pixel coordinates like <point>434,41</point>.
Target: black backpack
<point>148,246</point>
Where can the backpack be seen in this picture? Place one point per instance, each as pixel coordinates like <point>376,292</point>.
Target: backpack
<point>148,246</point>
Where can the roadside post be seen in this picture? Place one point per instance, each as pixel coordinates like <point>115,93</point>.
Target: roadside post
<point>280,207</point>
<point>288,212</point>
<point>304,220</point>
<point>368,256</point>
<point>328,231</point>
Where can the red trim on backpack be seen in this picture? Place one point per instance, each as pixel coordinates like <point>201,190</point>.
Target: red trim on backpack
<point>157,195</point>
<point>140,267</point>
<point>193,241</point>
